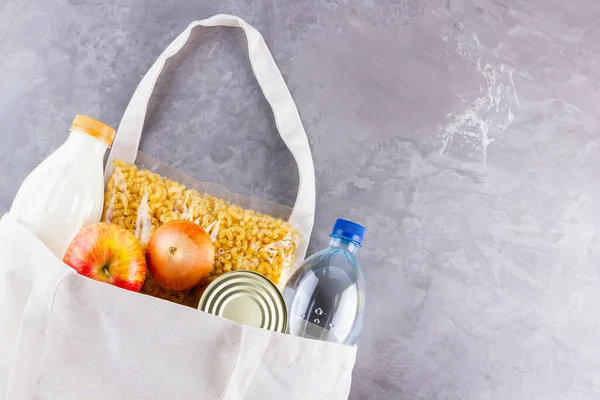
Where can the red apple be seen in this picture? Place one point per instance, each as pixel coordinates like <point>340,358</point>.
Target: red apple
<point>180,254</point>
<point>108,253</point>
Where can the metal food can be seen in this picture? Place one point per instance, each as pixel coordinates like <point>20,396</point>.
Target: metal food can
<point>247,298</point>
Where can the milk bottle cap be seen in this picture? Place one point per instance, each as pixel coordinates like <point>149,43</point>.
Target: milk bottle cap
<point>94,128</point>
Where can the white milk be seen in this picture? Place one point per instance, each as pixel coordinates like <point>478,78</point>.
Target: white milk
<point>66,191</point>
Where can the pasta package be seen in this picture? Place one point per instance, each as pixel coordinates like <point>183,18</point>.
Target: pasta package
<point>247,233</point>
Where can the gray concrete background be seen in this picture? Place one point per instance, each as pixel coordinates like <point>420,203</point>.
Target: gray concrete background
<point>462,134</point>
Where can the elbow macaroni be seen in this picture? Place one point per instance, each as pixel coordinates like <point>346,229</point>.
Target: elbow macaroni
<point>140,201</point>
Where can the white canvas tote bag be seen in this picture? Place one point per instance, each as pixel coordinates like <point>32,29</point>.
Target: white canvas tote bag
<point>64,336</point>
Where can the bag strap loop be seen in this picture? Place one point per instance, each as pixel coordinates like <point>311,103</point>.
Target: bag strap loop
<point>275,91</point>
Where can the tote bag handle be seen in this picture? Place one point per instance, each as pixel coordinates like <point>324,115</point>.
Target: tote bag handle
<point>275,91</point>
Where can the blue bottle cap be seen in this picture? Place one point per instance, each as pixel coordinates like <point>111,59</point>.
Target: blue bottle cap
<point>348,230</point>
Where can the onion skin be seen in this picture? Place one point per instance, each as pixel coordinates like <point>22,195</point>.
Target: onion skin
<point>180,254</point>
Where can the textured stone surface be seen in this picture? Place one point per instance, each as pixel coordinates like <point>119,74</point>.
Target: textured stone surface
<point>462,134</point>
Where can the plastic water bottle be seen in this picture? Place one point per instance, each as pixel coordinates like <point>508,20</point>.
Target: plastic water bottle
<point>325,297</point>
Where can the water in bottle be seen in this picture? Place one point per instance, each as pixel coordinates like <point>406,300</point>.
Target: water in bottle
<point>325,297</point>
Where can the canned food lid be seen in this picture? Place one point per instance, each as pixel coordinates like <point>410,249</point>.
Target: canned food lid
<point>247,298</point>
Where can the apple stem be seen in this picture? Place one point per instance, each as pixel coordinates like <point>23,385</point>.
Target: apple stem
<point>106,272</point>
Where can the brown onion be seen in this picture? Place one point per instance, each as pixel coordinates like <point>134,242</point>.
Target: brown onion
<point>180,254</point>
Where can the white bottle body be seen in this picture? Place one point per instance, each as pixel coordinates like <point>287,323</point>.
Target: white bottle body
<point>63,194</point>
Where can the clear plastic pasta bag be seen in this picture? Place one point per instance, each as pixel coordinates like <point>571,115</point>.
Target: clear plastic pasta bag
<point>247,233</point>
